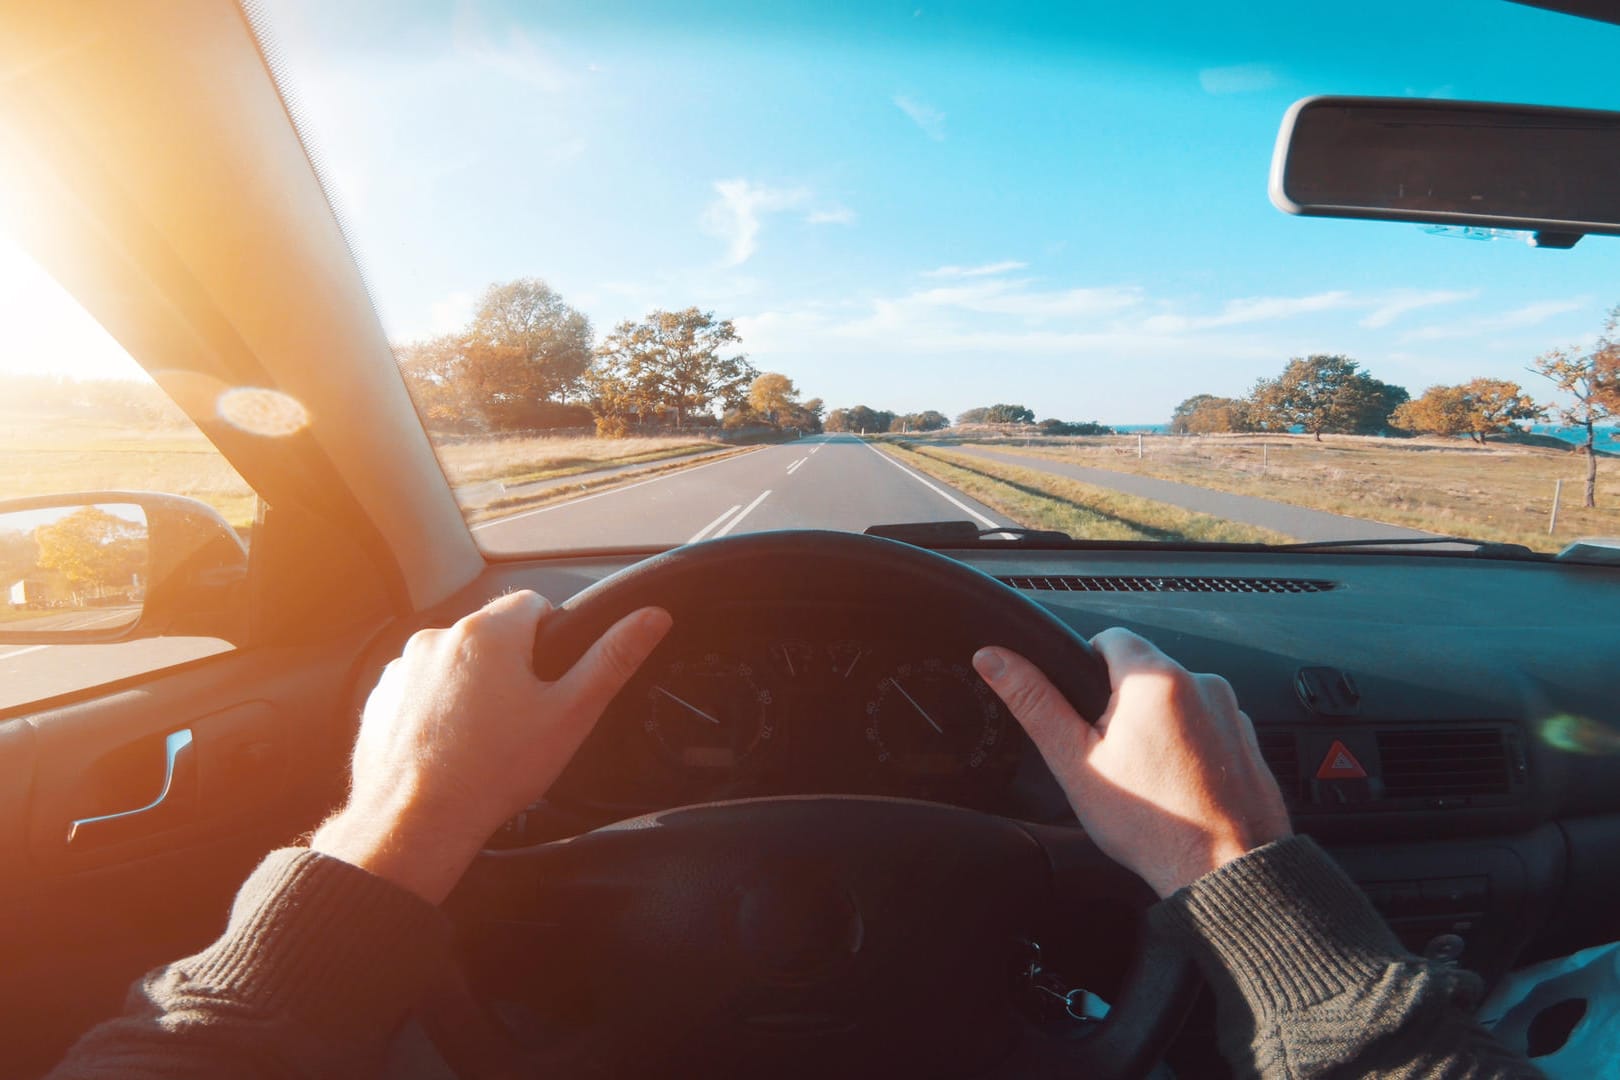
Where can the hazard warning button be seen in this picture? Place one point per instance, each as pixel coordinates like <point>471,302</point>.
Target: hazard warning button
<point>1340,764</point>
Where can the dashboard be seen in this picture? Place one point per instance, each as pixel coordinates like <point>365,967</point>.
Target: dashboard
<point>808,700</point>
<point>1448,727</point>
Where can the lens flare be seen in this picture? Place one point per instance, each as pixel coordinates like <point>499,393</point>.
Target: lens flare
<point>260,411</point>
<point>1579,735</point>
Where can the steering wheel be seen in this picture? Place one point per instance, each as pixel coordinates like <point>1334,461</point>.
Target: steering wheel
<point>804,935</point>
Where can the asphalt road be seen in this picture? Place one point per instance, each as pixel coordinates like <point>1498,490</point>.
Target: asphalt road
<point>827,481</point>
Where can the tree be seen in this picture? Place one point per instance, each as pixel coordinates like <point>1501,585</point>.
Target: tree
<point>1073,427</point>
<point>859,418</point>
<point>1008,414</point>
<point>1497,405</point>
<point>972,416</point>
<point>1592,380</point>
<point>1441,410</point>
<point>524,347</point>
<point>1204,414</point>
<point>771,394</point>
<point>1478,408</point>
<point>93,549</point>
<point>673,360</point>
<point>1325,394</point>
<point>19,555</point>
<point>930,420</point>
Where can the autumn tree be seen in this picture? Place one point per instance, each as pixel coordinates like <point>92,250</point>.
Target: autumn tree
<point>1204,414</point>
<point>1592,382</point>
<point>511,368</point>
<point>93,549</point>
<point>1323,393</point>
<point>19,555</point>
<point>675,360</point>
<point>1478,408</point>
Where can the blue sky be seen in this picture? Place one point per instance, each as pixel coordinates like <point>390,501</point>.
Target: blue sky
<point>919,206</point>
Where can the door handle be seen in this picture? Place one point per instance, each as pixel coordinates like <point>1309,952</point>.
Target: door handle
<point>176,744</point>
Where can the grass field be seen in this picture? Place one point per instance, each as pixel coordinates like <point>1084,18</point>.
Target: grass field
<point>51,455</point>
<point>1500,492</point>
<point>1042,501</point>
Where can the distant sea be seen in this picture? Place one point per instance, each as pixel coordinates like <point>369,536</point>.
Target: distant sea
<point>1608,438</point>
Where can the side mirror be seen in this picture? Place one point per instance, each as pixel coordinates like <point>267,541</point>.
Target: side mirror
<point>116,565</point>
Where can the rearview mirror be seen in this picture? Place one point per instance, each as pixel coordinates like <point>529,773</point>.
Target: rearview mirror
<point>1548,171</point>
<point>109,566</point>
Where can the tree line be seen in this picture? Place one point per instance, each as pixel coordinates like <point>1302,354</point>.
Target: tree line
<point>1332,394</point>
<point>528,361</point>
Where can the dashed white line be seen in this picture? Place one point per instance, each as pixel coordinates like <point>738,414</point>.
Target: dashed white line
<point>958,503</point>
<point>818,447</point>
<point>711,526</point>
<point>796,464</point>
<point>732,524</point>
<point>601,494</point>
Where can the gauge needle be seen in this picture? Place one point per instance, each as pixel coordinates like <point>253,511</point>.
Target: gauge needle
<point>931,722</point>
<point>689,705</point>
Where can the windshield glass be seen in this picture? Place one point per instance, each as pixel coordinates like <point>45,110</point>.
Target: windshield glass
<point>663,273</point>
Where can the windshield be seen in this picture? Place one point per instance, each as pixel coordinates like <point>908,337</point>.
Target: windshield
<point>664,273</point>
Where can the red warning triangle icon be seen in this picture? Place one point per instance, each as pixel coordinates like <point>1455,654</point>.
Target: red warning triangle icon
<point>1340,764</point>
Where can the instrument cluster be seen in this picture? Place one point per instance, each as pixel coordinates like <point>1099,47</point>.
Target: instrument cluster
<point>747,715</point>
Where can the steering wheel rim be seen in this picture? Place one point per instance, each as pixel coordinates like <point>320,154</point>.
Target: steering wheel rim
<point>802,891</point>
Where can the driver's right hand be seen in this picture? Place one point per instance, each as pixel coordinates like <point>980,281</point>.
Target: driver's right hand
<point>1168,781</point>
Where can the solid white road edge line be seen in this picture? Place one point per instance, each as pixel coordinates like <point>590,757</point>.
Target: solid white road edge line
<point>701,533</point>
<point>22,652</point>
<point>600,494</point>
<point>958,503</point>
<point>732,524</point>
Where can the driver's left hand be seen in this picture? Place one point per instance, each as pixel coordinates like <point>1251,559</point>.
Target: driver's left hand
<point>460,734</point>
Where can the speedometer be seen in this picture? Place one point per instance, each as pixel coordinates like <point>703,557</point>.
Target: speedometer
<point>709,715</point>
<point>934,719</point>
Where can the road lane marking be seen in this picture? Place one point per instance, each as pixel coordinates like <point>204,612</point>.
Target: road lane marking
<point>958,503</point>
<point>22,652</point>
<point>609,491</point>
<point>732,524</point>
<point>701,533</point>
<point>796,464</point>
<point>818,447</point>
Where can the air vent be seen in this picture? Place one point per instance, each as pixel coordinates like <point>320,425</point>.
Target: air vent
<point>1281,752</point>
<point>1444,763</point>
<point>1074,583</point>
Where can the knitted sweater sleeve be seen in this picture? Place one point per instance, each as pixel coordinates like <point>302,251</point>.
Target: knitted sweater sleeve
<point>319,962</point>
<point>1310,982</point>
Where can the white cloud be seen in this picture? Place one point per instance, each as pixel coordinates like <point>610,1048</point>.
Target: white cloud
<point>451,313</point>
<point>735,215</point>
<point>975,271</point>
<point>1518,318</point>
<point>1253,309</point>
<point>836,214</point>
<point>1237,79</point>
<point>512,53</point>
<point>925,116</point>
<point>1400,303</point>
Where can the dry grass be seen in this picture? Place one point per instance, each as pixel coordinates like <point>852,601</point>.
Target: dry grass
<point>525,460</point>
<point>1499,492</point>
<point>56,457</point>
<point>1040,500</point>
<point>52,455</point>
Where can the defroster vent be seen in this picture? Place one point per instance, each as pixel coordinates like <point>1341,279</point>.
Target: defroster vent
<point>1091,583</point>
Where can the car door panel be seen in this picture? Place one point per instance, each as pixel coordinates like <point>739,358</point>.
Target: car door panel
<point>79,921</point>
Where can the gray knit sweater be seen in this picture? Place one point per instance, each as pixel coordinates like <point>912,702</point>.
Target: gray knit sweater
<point>321,961</point>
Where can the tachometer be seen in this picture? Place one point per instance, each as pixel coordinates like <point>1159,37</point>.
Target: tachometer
<point>709,715</point>
<point>934,719</point>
